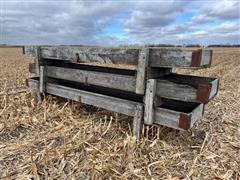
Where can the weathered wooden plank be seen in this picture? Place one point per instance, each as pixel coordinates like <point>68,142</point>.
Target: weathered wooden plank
<point>110,80</point>
<point>205,57</point>
<point>107,102</point>
<point>116,81</point>
<point>137,121</point>
<point>214,88</point>
<point>88,54</point>
<point>173,90</point>
<point>37,58</point>
<point>42,79</point>
<point>149,101</point>
<point>158,57</point>
<point>178,119</point>
<point>141,70</point>
<point>187,88</point>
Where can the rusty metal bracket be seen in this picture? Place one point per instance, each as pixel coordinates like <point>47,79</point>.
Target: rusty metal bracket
<point>196,58</point>
<point>184,121</point>
<point>203,92</point>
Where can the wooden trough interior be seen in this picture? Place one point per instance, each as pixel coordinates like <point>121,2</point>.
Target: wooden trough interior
<point>148,91</point>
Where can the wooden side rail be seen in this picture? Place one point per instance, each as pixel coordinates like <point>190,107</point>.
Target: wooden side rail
<point>187,88</point>
<point>172,86</point>
<point>158,57</point>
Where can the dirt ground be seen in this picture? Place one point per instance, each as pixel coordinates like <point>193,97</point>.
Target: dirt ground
<point>61,139</point>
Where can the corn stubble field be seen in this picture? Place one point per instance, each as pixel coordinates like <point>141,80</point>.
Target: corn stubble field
<point>58,138</point>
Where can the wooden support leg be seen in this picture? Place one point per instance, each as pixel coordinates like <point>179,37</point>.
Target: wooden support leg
<point>37,59</point>
<point>141,70</point>
<point>137,121</point>
<point>42,83</point>
<point>149,101</point>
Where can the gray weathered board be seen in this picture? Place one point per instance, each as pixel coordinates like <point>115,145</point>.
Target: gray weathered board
<point>158,57</point>
<point>172,86</point>
<point>164,115</point>
<point>187,88</point>
<point>177,119</point>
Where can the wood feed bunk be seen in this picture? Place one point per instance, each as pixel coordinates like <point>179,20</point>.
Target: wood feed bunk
<point>150,93</point>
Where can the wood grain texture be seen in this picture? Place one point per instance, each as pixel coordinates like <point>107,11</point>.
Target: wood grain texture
<point>158,57</point>
<point>42,79</point>
<point>116,81</point>
<point>141,70</point>
<point>109,80</point>
<point>37,59</point>
<point>138,121</point>
<point>107,102</point>
<point>149,101</point>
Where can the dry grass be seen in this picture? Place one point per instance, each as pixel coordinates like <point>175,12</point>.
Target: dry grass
<point>63,139</point>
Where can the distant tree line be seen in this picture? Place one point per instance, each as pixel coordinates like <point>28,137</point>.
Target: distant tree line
<point>171,45</point>
<point>224,45</point>
<point>194,45</point>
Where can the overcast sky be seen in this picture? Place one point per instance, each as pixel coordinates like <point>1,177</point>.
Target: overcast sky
<point>119,22</point>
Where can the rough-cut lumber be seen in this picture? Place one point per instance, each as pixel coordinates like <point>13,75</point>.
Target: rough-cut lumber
<point>187,88</point>
<point>137,121</point>
<point>174,114</point>
<point>42,79</point>
<point>158,57</point>
<point>37,59</point>
<point>88,54</point>
<point>107,102</point>
<point>149,101</point>
<point>141,70</point>
<point>109,80</point>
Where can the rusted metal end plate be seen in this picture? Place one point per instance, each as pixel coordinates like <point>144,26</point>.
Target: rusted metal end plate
<point>196,58</point>
<point>185,121</point>
<point>203,92</point>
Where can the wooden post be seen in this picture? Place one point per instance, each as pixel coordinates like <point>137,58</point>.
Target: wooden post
<point>149,101</point>
<point>42,80</point>
<point>141,70</point>
<point>40,70</point>
<point>37,59</point>
<point>137,121</point>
